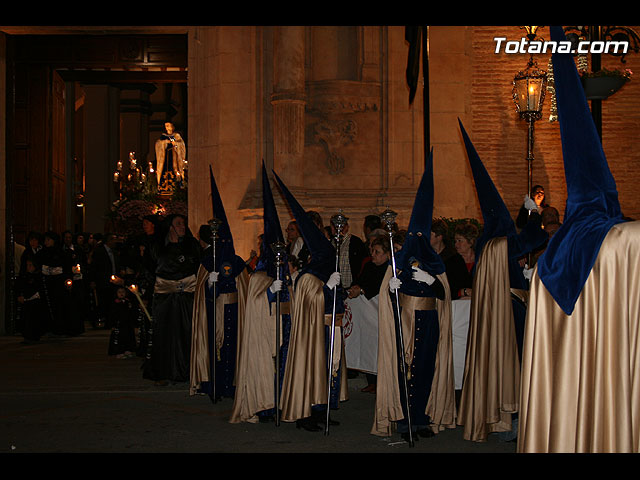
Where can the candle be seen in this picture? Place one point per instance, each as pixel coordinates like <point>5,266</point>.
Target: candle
<point>134,289</point>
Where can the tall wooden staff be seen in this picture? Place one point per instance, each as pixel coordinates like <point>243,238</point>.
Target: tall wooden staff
<point>214,225</point>
<point>338,221</point>
<point>279,249</point>
<point>388,218</point>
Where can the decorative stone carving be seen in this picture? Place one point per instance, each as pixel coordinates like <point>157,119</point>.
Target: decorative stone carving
<point>331,106</point>
<point>335,134</point>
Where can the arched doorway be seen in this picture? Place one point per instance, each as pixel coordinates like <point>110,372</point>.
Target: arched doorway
<point>76,103</point>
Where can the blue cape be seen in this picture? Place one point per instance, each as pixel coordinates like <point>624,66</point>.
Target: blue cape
<point>592,206</point>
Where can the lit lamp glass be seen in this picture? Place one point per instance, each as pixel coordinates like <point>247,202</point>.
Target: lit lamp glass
<point>528,91</point>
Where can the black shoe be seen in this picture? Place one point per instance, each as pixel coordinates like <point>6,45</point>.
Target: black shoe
<point>405,437</point>
<point>266,418</point>
<point>308,425</point>
<point>320,416</point>
<point>426,433</point>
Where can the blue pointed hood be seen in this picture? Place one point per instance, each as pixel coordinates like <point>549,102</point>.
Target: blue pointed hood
<point>496,217</point>
<point>323,254</point>
<point>272,230</point>
<point>417,243</point>
<point>225,251</point>
<point>592,206</point>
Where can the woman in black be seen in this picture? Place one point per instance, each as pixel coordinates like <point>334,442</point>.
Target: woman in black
<point>177,257</point>
<point>56,270</point>
<point>460,265</point>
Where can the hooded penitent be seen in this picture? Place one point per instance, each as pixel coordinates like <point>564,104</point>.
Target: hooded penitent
<point>255,395</point>
<point>592,206</point>
<point>580,368</point>
<point>426,330</point>
<point>229,294</point>
<point>498,306</point>
<point>497,221</point>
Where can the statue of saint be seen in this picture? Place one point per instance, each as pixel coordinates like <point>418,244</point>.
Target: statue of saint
<point>170,149</point>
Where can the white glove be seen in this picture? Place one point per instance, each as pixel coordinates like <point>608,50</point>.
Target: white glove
<point>213,277</point>
<point>276,286</point>
<point>334,280</point>
<point>529,204</point>
<point>527,272</point>
<point>394,283</point>
<point>422,276</point>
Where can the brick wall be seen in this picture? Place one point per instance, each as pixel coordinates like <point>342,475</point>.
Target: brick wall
<point>500,136</point>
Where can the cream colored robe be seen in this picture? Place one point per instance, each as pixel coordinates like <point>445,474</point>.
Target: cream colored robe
<point>305,378</point>
<point>255,371</point>
<point>581,372</point>
<point>178,157</point>
<point>441,404</point>
<point>199,368</point>
<point>491,385</point>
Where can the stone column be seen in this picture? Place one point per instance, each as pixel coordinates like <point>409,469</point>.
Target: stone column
<point>288,101</point>
<point>101,152</point>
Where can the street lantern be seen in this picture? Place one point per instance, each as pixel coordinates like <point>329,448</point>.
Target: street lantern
<point>529,87</point>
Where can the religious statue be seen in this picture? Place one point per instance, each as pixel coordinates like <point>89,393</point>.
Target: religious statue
<point>170,149</point>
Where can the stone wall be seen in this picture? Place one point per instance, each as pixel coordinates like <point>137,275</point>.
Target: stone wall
<point>332,117</point>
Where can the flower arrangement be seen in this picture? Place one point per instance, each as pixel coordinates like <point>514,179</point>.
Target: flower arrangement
<point>144,197</point>
<point>605,72</point>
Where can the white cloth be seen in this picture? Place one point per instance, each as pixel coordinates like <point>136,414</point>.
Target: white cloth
<point>460,312</point>
<point>296,246</point>
<point>360,330</point>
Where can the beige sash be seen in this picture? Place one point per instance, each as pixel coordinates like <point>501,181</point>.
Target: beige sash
<point>186,284</point>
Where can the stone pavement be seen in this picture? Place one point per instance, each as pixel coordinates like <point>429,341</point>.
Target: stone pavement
<point>66,395</point>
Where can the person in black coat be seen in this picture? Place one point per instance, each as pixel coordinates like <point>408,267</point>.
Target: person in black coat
<point>537,195</point>
<point>122,313</point>
<point>34,245</point>
<point>56,270</point>
<point>30,293</point>
<point>105,263</point>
